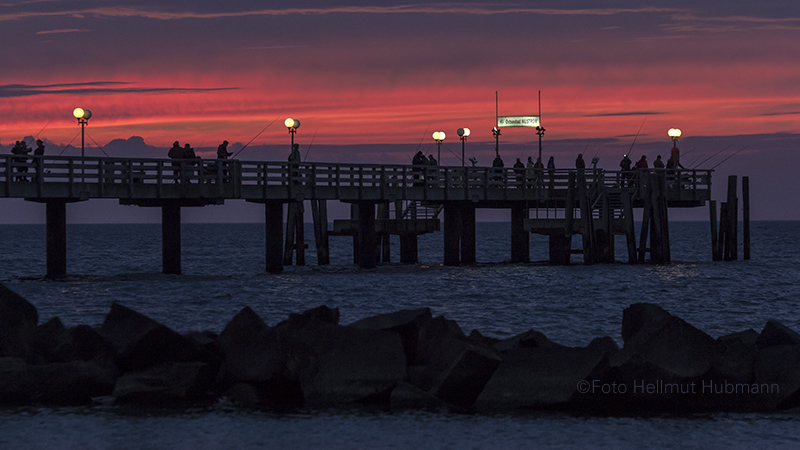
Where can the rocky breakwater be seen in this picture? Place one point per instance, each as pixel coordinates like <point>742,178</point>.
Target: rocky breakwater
<point>401,360</point>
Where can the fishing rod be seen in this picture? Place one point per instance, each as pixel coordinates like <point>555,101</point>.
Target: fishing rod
<point>729,157</point>
<point>254,138</point>
<point>630,151</point>
<point>309,144</point>
<point>70,142</point>
<point>423,136</point>
<point>40,132</point>
<point>715,154</point>
<point>98,145</point>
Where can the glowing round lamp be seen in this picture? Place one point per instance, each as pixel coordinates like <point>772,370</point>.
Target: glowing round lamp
<point>291,123</point>
<point>674,133</point>
<point>81,113</point>
<point>463,132</point>
<point>438,135</point>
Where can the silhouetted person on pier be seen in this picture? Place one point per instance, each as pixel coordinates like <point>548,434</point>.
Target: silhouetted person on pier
<point>641,163</point>
<point>22,149</point>
<point>39,151</point>
<point>579,162</point>
<point>432,171</point>
<point>658,163</point>
<point>418,161</point>
<point>188,153</point>
<point>519,170</point>
<point>625,167</point>
<point>176,152</point>
<point>294,160</point>
<point>551,170</point>
<point>497,168</point>
<point>223,153</point>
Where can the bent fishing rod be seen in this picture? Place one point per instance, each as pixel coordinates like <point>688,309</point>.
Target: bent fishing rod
<point>254,138</point>
<point>309,144</point>
<point>729,157</point>
<point>715,154</point>
<point>630,151</point>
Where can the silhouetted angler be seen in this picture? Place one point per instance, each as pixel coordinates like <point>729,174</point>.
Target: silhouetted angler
<point>222,151</point>
<point>579,162</point>
<point>20,148</point>
<point>658,163</point>
<point>176,152</point>
<point>39,148</point>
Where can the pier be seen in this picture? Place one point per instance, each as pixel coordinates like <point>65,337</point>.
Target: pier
<point>385,200</point>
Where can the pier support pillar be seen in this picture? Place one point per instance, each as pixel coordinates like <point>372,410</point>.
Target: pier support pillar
<point>274,236</point>
<point>520,239</point>
<point>367,256</point>
<point>452,234</point>
<point>560,249</point>
<point>171,238</point>
<point>467,214</point>
<point>408,249</point>
<point>56,238</point>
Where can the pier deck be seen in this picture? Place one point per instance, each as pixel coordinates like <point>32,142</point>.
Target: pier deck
<point>558,203</point>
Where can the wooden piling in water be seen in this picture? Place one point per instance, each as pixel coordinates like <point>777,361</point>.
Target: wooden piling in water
<point>56,216</point>
<point>171,237</point>
<point>746,217</point>
<point>467,215</point>
<point>731,234</point>
<point>451,235</point>
<point>630,229</point>
<point>319,213</point>
<point>520,239</point>
<point>384,248</point>
<point>273,230</point>
<point>712,213</point>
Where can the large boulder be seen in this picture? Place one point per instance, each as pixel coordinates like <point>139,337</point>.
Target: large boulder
<point>55,343</point>
<point>451,366</point>
<point>776,377</point>
<point>167,383</point>
<point>661,346</point>
<point>74,382</point>
<point>543,376</point>
<point>338,365</point>
<point>18,320</point>
<point>407,323</point>
<point>734,356</point>
<point>249,349</point>
<point>775,334</point>
<point>141,342</point>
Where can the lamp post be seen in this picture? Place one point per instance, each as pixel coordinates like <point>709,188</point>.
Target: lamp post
<point>496,134</point>
<point>674,133</point>
<point>540,132</point>
<point>463,133</point>
<point>675,154</point>
<point>83,116</point>
<point>439,136</point>
<point>292,125</point>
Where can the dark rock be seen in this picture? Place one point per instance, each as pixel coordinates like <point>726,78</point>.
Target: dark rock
<point>640,315</point>
<point>542,377</point>
<point>407,323</point>
<point>54,343</point>
<point>347,364</point>
<point>69,383</point>
<point>409,397</point>
<point>244,394</point>
<point>775,334</point>
<point>249,349</point>
<point>165,384</point>
<point>471,367</point>
<point>660,345</point>
<point>777,377</point>
<point>320,313</point>
<point>734,356</point>
<point>141,342</point>
<point>478,337</point>
<point>18,320</point>
<point>528,339</point>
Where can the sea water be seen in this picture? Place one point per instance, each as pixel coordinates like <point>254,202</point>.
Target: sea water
<point>223,271</point>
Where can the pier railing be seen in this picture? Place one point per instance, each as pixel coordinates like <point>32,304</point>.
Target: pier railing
<point>149,178</point>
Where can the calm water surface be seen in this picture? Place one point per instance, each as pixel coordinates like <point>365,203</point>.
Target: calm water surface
<point>223,272</point>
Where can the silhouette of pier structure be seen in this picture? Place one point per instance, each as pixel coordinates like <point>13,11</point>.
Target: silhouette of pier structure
<point>385,200</point>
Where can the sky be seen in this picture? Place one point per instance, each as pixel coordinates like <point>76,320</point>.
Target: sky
<point>370,81</point>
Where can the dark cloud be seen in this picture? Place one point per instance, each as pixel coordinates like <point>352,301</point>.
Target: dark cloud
<point>96,87</point>
<point>627,113</point>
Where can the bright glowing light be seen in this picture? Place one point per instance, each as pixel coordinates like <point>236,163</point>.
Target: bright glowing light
<point>674,133</point>
<point>81,113</point>
<point>438,135</point>
<point>463,132</point>
<point>291,123</point>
